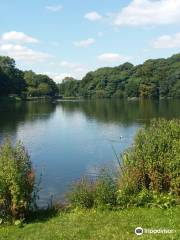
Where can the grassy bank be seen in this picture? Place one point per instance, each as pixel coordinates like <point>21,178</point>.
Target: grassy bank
<point>97,225</point>
<point>145,184</point>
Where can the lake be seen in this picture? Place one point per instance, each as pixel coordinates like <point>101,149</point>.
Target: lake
<point>68,139</point>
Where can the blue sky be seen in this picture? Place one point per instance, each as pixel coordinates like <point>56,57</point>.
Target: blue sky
<point>69,38</point>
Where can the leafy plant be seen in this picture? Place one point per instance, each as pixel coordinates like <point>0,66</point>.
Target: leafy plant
<point>105,188</point>
<point>17,180</point>
<point>151,168</point>
<point>158,78</point>
<point>164,200</point>
<point>100,192</point>
<point>82,194</point>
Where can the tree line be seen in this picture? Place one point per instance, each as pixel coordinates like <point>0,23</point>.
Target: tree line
<point>159,78</point>
<point>24,83</point>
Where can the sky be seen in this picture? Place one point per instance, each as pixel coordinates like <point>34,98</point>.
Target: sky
<point>72,37</point>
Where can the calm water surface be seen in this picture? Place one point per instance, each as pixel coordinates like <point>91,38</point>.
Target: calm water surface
<point>69,139</point>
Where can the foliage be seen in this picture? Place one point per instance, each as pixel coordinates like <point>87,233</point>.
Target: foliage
<point>82,194</point>
<point>15,81</point>
<point>151,168</point>
<point>105,188</point>
<point>159,78</point>
<point>88,193</point>
<point>69,87</point>
<point>17,181</point>
<point>125,199</point>
<point>146,198</point>
<point>39,85</point>
<point>11,78</point>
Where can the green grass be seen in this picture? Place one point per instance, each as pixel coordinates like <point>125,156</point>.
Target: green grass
<point>97,225</point>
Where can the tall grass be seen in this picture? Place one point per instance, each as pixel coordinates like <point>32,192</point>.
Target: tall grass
<point>100,192</point>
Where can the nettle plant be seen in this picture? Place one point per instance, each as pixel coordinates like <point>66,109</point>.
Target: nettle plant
<point>17,182</point>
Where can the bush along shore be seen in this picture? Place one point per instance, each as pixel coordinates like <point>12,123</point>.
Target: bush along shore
<point>146,182</point>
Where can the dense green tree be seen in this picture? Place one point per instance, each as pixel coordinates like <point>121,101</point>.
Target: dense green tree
<point>11,78</point>
<point>159,78</point>
<point>69,88</point>
<point>15,81</point>
<point>30,78</point>
<point>67,79</point>
<point>132,87</point>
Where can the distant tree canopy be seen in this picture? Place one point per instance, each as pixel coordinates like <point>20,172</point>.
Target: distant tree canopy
<point>11,78</point>
<point>15,81</point>
<point>39,85</point>
<point>159,78</point>
<point>68,79</point>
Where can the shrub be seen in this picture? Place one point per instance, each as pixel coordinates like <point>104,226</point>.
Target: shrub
<point>105,189</point>
<point>88,193</point>
<point>82,194</point>
<point>125,200</point>
<point>146,198</point>
<point>164,200</point>
<point>152,165</point>
<point>16,181</point>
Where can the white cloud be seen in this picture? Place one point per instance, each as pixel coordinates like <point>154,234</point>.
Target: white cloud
<point>80,70</point>
<point>149,12</point>
<point>167,41</point>
<point>77,72</point>
<point>54,8</point>
<point>93,16</point>
<point>18,37</point>
<point>67,64</point>
<point>59,77</point>
<point>19,52</point>
<point>112,57</point>
<point>76,67</point>
<point>84,43</point>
